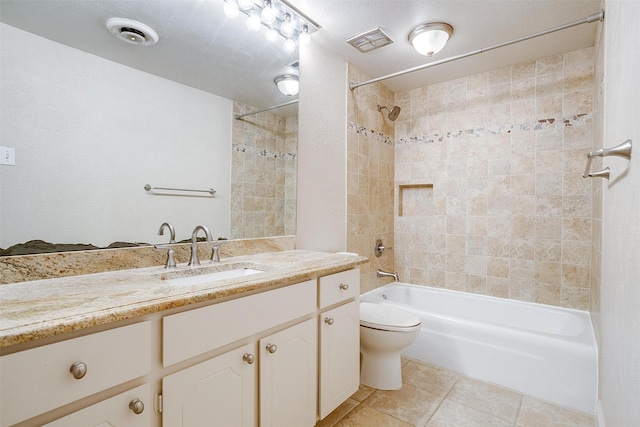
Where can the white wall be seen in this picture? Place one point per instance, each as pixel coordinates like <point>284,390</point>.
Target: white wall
<point>90,133</point>
<point>620,283</point>
<point>322,151</point>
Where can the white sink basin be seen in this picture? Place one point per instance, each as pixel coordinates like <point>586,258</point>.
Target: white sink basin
<point>213,277</point>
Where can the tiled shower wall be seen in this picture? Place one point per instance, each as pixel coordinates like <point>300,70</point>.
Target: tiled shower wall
<point>263,174</point>
<point>370,154</point>
<point>489,192</point>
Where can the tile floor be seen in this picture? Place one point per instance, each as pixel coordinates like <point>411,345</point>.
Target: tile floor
<point>436,397</point>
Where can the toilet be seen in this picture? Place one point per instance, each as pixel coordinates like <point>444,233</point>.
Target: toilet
<point>384,332</point>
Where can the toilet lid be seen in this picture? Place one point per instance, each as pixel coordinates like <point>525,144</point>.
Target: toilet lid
<point>385,317</point>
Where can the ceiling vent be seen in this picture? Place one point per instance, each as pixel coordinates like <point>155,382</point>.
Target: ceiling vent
<point>131,31</point>
<point>370,40</point>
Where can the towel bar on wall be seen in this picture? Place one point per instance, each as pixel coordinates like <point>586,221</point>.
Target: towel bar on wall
<point>622,150</point>
<point>147,187</point>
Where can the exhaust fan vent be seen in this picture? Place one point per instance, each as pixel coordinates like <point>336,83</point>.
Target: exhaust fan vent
<point>131,31</point>
<point>370,40</point>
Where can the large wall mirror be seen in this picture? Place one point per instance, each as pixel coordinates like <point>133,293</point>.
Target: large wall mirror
<point>91,119</point>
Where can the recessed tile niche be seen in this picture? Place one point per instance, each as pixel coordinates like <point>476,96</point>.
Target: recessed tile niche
<point>415,199</point>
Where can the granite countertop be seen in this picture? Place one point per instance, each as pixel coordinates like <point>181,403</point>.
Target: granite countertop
<point>44,308</point>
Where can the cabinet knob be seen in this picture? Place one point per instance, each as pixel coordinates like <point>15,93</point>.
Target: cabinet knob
<point>78,370</point>
<point>136,406</point>
<point>328,320</point>
<point>271,348</point>
<point>248,358</point>
<point>344,286</point>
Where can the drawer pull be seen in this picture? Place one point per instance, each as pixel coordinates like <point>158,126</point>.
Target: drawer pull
<point>136,406</point>
<point>344,286</point>
<point>248,358</point>
<point>328,320</point>
<point>78,370</point>
<point>271,348</point>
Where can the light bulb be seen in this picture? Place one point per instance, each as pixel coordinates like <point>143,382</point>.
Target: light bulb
<point>272,35</point>
<point>289,46</point>
<point>253,22</point>
<point>231,9</point>
<point>268,13</point>
<point>304,37</point>
<point>245,4</point>
<point>287,27</point>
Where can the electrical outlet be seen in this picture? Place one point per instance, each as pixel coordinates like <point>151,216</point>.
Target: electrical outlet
<point>7,156</point>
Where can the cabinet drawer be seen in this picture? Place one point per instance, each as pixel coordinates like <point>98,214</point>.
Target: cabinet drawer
<point>38,380</point>
<point>113,412</point>
<point>339,287</point>
<point>204,329</point>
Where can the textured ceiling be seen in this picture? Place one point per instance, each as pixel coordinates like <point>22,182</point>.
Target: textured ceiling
<point>201,48</point>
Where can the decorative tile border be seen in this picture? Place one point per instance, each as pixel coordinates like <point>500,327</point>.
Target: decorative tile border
<point>242,148</point>
<point>370,133</point>
<point>550,123</point>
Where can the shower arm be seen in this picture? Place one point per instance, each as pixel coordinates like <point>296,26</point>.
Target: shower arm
<point>589,19</point>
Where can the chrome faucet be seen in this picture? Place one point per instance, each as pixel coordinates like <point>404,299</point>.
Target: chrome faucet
<point>381,273</point>
<point>194,243</point>
<point>171,255</point>
<point>172,231</point>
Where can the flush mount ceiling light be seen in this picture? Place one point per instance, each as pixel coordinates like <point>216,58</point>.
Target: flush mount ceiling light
<point>131,31</point>
<point>429,39</point>
<point>288,84</point>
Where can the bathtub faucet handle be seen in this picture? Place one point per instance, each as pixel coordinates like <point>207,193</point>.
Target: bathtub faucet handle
<point>380,247</point>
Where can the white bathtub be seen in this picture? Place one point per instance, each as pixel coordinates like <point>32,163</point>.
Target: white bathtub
<point>543,351</point>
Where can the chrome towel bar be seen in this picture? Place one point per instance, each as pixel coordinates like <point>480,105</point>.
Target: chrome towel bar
<point>622,150</point>
<point>147,187</point>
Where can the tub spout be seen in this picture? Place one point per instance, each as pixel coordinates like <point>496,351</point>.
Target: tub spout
<point>387,274</point>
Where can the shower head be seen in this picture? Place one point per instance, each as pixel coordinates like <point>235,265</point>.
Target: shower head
<point>393,113</point>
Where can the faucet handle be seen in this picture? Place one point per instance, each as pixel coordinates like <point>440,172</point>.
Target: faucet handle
<point>171,257</point>
<point>215,251</point>
<point>380,248</point>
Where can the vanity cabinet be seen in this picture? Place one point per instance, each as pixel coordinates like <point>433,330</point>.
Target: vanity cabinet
<point>38,380</point>
<point>276,358</point>
<point>339,339</point>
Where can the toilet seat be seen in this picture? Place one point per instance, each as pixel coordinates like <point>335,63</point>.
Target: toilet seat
<point>387,318</point>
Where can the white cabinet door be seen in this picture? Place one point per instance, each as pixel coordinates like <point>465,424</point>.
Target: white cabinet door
<point>218,392</point>
<point>339,355</point>
<point>117,411</point>
<point>288,376</point>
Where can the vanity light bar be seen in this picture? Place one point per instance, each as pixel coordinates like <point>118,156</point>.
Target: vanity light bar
<point>286,16</point>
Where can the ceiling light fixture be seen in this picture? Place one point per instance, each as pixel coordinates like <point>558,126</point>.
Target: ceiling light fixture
<point>280,18</point>
<point>272,35</point>
<point>304,37</point>
<point>288,84</point>
<point>287,28</point>
<point>253,22</point>
<point>231,9</point>
<point>245,4</point>
<point>268,13</point>
<point>429,39</point>
<point>289,46</point>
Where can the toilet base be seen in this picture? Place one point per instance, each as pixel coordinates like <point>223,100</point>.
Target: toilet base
<point>381,370</point>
